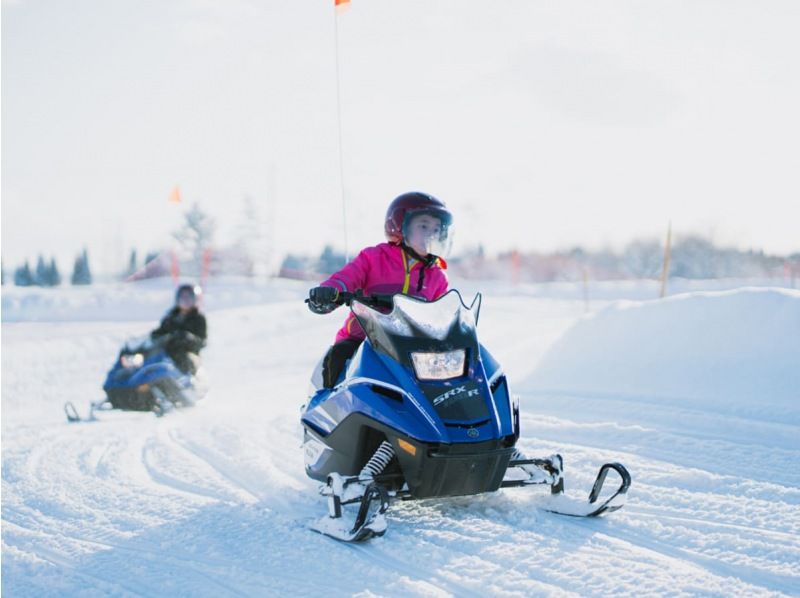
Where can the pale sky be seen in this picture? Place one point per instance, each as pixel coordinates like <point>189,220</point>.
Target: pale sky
<point>543,125</point>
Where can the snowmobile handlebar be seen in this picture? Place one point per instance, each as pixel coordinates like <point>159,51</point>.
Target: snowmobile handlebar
<point>374,300</point>
<point>347,298</point>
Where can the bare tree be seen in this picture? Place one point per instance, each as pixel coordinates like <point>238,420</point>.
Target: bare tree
<point>195,237</point>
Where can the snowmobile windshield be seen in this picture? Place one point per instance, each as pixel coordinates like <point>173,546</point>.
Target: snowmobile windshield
<point>144,344</point>
<point>137,344</point>
<point>413,324</point>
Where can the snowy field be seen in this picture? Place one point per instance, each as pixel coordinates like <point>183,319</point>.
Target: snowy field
<point>698,394</point>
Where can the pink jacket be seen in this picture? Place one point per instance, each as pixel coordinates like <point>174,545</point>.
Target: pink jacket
<point>383,269</point>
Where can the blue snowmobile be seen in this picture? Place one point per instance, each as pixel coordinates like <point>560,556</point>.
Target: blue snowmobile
<point>423,410</point>
<point>145,378</point>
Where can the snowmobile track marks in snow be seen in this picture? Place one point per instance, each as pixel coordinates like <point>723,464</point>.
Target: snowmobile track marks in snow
<point>214,462</point>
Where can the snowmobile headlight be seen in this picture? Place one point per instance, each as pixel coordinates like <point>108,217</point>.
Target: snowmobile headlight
<point>131,361</point>
<point>439,366</point>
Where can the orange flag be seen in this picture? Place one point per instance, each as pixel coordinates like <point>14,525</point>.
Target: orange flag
<point>341,5</point>
<point>175,196</point>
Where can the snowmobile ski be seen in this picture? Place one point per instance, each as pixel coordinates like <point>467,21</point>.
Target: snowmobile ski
<point>159,408</point>
<point>71,412</point>
<point>73,416</point>
<point>561,504</point>
<point>370,521</point>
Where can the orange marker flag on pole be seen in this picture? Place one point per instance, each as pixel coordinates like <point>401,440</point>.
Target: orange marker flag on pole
<point>341,5</point>
<point>175,196</point>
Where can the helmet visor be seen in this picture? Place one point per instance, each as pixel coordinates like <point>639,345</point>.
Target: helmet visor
<point>427,232</point>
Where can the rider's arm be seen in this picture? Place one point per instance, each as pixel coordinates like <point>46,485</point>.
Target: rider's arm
<point>163,328</point>
<point>352,276</point>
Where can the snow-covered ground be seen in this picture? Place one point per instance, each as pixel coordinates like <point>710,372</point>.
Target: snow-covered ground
<point>698,394</point>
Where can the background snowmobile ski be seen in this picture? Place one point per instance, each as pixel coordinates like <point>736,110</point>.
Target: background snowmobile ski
<point>160,407</point>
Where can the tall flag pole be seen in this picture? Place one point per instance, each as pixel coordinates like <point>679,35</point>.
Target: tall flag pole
<point>175,267</point>
<point>667,251</point>
<point>339,7</point>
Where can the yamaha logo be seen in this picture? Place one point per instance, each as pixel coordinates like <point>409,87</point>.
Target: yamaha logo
<point>472,433</point>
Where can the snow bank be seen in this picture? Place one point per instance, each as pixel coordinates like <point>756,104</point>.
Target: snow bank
<point>734,351</point>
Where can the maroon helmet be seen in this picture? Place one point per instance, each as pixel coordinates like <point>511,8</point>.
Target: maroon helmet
<point>410,204</point>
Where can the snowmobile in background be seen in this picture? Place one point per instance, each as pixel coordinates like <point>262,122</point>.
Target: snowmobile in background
<point>423,410</point>
<point>145,378</point>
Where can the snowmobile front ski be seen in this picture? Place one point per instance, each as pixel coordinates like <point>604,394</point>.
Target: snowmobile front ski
<point>563,505</point>
<point>369,522</point>
<point>550,471</point>
<point>72,412</point>
<point>161,405</point>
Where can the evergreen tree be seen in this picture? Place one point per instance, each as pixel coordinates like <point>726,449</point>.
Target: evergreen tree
<point>77,271</point>
<point>23,277</point>
<point>81,273</point>
<point>42,277</point>
<point>54,274</point>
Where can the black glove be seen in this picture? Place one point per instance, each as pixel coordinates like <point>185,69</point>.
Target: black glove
<point>322,300</point>
<point>183,340</point>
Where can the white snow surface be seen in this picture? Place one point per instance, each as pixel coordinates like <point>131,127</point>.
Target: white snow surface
<point>697,394</point>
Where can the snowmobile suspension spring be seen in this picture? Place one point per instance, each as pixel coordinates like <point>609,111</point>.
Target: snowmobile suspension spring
<point>378,461</point>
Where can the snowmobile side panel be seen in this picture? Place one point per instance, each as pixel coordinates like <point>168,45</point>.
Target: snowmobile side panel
<point>362,398</point>
<point>345,450</point>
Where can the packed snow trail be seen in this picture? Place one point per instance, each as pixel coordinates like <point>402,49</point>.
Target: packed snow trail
<point>214,500</point>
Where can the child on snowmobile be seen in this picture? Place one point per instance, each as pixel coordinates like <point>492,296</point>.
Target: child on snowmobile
<point>416,228</point>
<point>186,328</point>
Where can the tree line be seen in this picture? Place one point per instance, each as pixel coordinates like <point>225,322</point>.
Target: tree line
<point>47,274</point>
<point>193,253</point>
<point>692,257</point>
